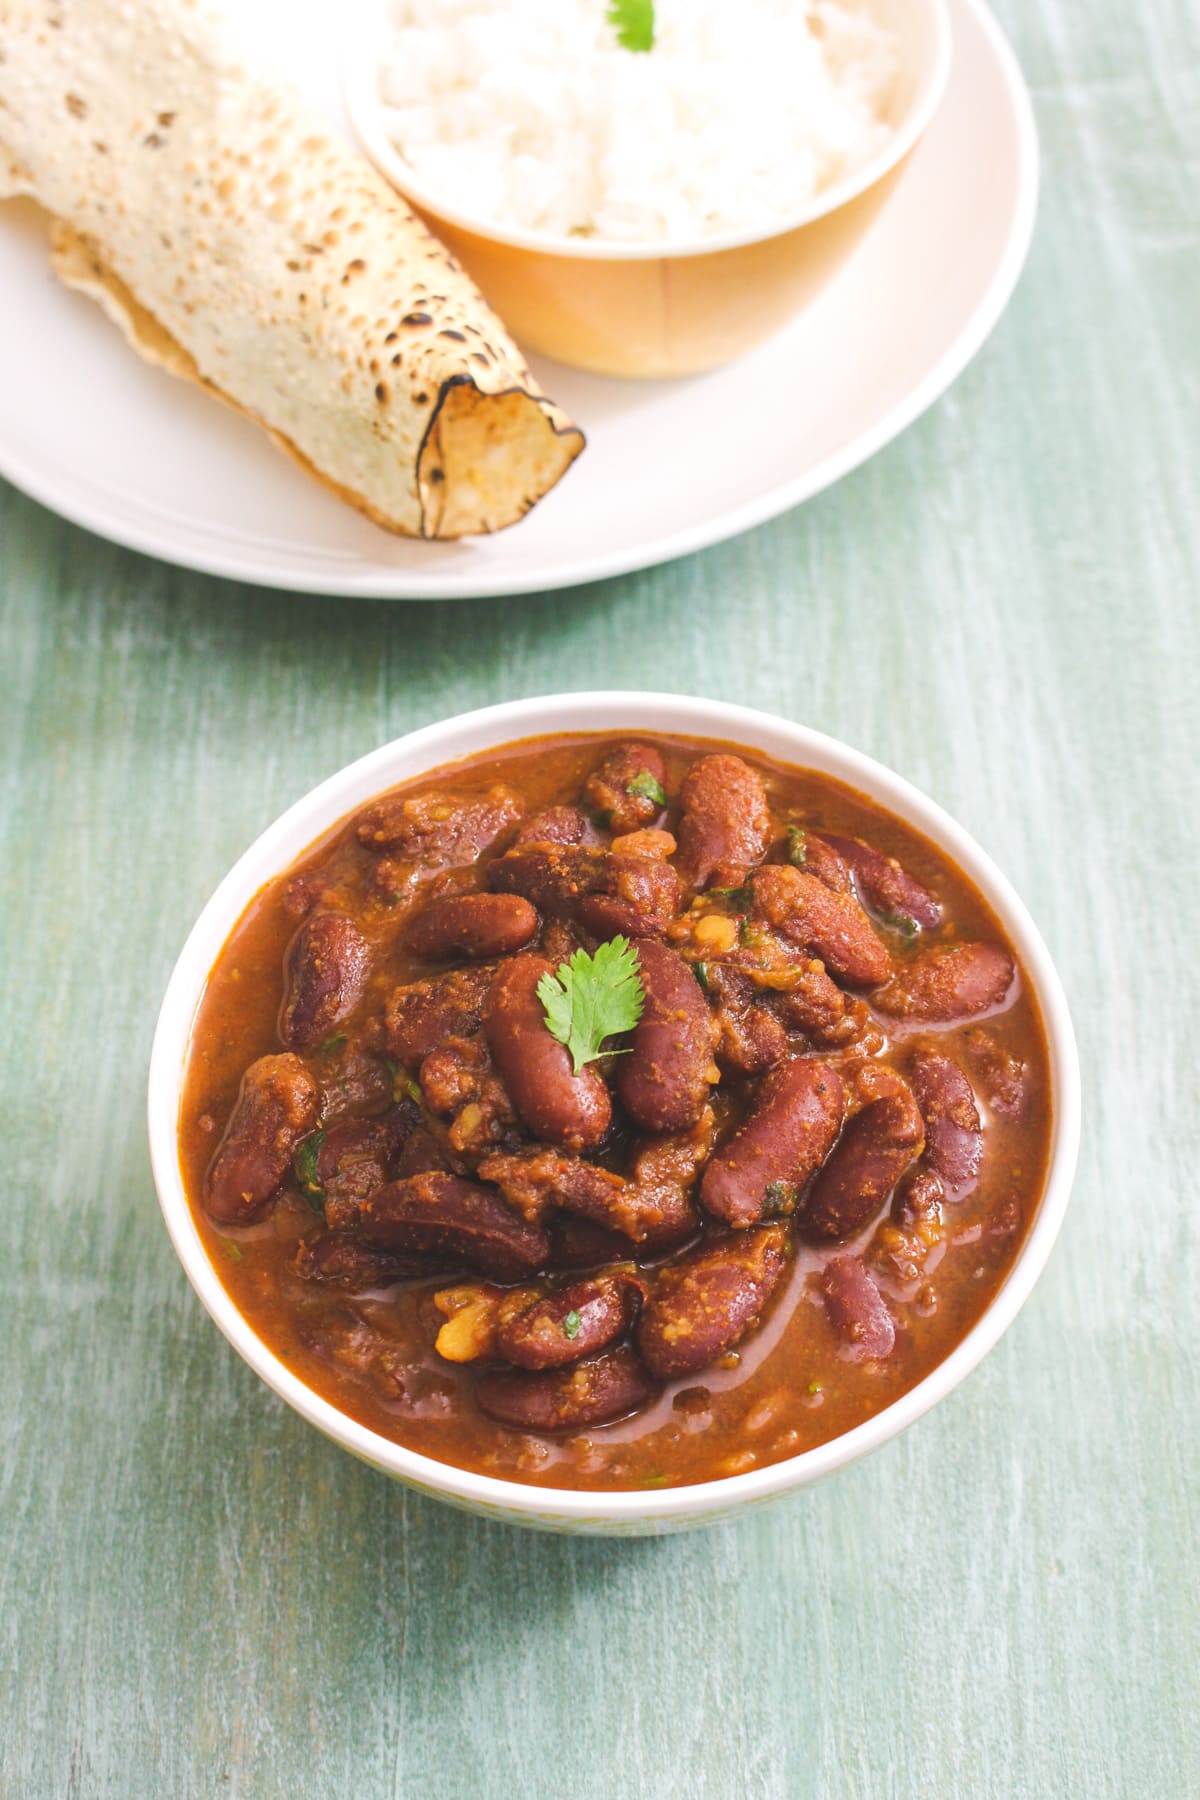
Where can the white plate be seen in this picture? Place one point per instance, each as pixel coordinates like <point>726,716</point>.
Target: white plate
<point>136,456</point>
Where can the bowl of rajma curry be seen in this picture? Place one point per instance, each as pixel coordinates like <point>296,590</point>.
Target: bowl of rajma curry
<point>609,1111</point>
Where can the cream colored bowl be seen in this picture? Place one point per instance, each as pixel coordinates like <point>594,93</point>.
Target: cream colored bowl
<point>638,1512</point>
<point>662,309</point>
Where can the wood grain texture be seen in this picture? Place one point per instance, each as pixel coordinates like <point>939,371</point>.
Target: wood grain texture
<point>200,1596</point>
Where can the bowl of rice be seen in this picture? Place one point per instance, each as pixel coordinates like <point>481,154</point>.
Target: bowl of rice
<point>647,188</point>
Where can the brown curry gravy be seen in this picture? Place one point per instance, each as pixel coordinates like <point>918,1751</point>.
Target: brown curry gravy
<point>790,1385</point>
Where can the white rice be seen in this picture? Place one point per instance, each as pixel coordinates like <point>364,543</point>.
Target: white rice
<point>529,113</point>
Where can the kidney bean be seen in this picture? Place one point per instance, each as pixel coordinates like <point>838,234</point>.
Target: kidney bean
<point>816,1006</point>
<point>832,926</point>
<point>449,1216</point>
<point>553,876</point>
<point>454,1074</point>
<point>786,978</point>
<point>327,968</point>
<point>351,1075</point>
<point>303,892</point>
<point>664,1080</point>
<point>749,1037</point>
<point>752,1039</point>
<point>356,1157</point>
<point>276,1107</point>
<point>765,1164</point>
<point>422,1152</point>
<point>590,1393</point>
<point>652,1205</point>
<point>439,827</point>
<point>815,854</point>
<point>475,925</point>
<point>655,1217</point>
<point>560,941</point>
<point>885,886</point>
<point>617,790</point>
<point>346,1262</point>
<point>648,890</point>
<point>857,1310</point>
<point>422,1015</point>
<point>657,1210</point>
<point>725,821</point>
<point>606,917</point>
<point>534,1181</point>
<point>953,1133</point>
<point>917,1201</point>
<point>903,1242</point>
<point>641,896</point>
<point>947,983</point>
<point>669,1233</point>
<point>999,1073</point>
<point>605,890</point>
<point>559,825</point>
<point>573,1110</point>
<point>578,1244</point>
<point>459,1083</point>
<point>864,1166</point>
<point>401,885</point>
<point>705,1304</point>
<point>582,1244</point>
<point>867,1080</point>
<point>572,1323</point>
<point>355,1142</point>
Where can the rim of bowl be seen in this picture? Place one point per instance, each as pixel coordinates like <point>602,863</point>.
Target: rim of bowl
<point>360,93</point>
<point>467,734</point>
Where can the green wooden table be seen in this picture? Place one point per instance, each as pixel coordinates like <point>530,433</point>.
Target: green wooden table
<point>199,1595</point>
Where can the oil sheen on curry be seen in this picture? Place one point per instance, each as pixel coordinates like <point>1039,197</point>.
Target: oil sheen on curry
<point>614,1113</point>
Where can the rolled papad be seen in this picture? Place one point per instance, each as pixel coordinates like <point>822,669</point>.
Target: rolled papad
<point>238,244</point>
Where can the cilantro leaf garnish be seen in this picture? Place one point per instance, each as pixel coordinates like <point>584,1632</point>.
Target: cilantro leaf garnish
<point>571,1325</point>
<point>644,786</point>
<point>902,922</point>
<point>591,998</point>
<point>404,1085</point>
<point>797,848</point>
<point>738,897</point>
<point>304,1163</point>
<point>779,1199</point>
<point>633,22</point>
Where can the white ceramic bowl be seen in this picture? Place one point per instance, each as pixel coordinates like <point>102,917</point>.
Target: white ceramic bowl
<point>636,1513</point>
<point>666,307</point>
